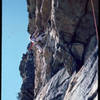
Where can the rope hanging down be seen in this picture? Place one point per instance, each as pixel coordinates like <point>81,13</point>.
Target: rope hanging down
<point>94,20</point>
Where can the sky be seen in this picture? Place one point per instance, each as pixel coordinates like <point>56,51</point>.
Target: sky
<point>15,39</point>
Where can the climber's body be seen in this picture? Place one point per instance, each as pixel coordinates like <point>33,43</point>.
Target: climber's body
<point>36,40</point>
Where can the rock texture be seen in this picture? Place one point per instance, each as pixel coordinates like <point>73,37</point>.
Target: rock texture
<point>67,55</point>
<point>80,86</point>
<point>84,85</point>
<point>27,71</point>
<point>56,87</point>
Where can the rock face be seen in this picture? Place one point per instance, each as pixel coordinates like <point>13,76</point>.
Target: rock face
<point>80,86</point>
<point>56,87</point>
<point>67,55</point>
<point>27,73</point>
<point>84,85</point>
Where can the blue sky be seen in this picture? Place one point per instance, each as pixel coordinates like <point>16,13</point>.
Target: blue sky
<point>14,43</point>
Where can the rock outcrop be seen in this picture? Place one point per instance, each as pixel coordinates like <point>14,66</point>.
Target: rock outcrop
<point>67,67</point>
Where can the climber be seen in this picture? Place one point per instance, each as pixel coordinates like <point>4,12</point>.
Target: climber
<point>35,40</point>
<point>37,46</point>
<point>32,39</point>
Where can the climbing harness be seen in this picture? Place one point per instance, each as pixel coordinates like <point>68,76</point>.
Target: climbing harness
<point>95,20</point>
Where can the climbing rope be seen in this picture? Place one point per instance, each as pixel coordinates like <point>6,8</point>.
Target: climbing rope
<point>94,20</point>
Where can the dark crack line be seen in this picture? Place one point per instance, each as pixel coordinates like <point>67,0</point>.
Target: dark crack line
<point>94,95</point>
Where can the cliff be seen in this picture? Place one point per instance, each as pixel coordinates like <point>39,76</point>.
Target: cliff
<point>67,67</point>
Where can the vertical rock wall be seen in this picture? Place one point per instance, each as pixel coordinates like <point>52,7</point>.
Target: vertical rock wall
<point>70,39</point>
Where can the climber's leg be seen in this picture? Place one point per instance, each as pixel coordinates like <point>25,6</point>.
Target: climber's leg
<point>32,39</point>
<point>40,37</point>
